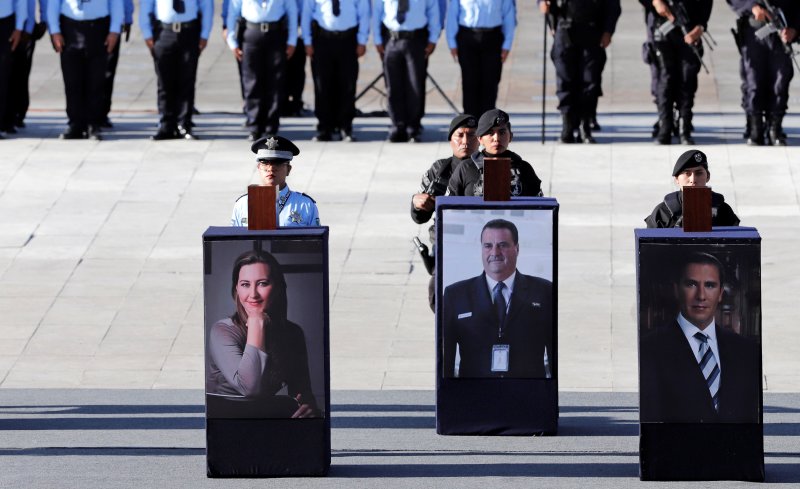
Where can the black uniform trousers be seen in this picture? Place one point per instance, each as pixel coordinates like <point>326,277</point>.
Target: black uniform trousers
<point>83,64</point>
<point>479,53</point>
<point>579,61</point>
<point>175,56</point>
<point>19,98</point>
<point>404,69</point>
<point>263,77</point>
<point>111,72</point>
<point>678,68</point>
<point>768,72</point>
<point>335,70</point>
<point>295,79</point>
<point>6,29</point>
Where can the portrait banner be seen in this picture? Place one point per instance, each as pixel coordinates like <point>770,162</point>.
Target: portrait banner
<point>496,316</point>
<point>267,365</point>
<point>700,392</point>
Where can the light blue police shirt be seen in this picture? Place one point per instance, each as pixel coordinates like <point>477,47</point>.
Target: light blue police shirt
<point>19,8</point>
<point>164,13</point>
<point>421,13</point>
<point>351,13</point>
<point>293,208</point>
<point>481,14</point>
<point>84,10</point>
<point>257,11</point>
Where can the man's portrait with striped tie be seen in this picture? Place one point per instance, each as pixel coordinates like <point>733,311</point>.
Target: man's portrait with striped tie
<point>703,363</point>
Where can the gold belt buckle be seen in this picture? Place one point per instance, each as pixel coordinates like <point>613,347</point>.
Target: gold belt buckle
<point>176,27</point>
<point>264,27</point>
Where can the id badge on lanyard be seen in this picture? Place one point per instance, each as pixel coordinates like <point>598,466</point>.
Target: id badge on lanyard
<point>500,358</point>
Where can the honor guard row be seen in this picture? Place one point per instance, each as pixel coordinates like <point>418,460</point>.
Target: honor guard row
<point>263,36</point>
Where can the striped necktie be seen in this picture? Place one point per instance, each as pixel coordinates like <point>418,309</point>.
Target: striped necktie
<point>709,367</point>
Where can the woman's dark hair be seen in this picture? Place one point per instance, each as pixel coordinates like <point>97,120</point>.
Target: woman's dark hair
<point>277,309</point>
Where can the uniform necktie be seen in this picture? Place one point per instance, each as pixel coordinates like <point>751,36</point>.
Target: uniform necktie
<point>178,6</point>
<point>402,8</point>
<point>337,9</point>
<point>499,305</point>
<point>709,367</point>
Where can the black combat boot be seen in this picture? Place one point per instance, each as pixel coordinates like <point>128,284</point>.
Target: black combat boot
<point>585,131</point>
<point>776,134</point>
<point>567,129</point>
<point>685,129</point>
<point>756,130</point>
<point>747,124</point>
<point>665,126</point>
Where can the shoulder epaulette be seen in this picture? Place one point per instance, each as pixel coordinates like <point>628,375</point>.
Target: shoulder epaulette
<point>306,195</point>
<point>239,197</point>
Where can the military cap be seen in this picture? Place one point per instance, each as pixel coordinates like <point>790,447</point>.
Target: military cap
<point>491,118</point>
<point>462,120</point>
<point>274,148</point>
<point>690,159</point>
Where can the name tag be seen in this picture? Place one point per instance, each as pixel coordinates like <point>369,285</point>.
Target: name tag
<point>465,315</point>
<point>500,354</point>
<point>536,304</point>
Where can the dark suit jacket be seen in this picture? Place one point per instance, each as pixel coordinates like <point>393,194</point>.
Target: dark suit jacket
<point>528,328</point>
<point>672,387</point>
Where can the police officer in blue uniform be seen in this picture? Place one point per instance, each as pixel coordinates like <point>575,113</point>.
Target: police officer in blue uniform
<point>766,68</point>
<point>293,208</point>
<point>679,60</point>
<point>113,59</point>
<point>21,62</point>
<point>335,35</point>
<point>405,34</point>
<point>583,31</point>
<point>84,33</point>
<point>176,32</point>
<point>479,34</point>
<point>268,40</point>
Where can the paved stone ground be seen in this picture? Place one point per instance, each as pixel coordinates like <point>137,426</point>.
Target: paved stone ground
<point>91,439</point>
<point>100,256</point>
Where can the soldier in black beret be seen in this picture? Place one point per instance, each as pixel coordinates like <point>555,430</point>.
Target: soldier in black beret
<point>691,170</point>
<point>494,136</point>
<point>463,143</point>
<point>293,208</point>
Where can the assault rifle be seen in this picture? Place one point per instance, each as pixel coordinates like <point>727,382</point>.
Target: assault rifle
<point>775,24</point>
<point>682,21</point>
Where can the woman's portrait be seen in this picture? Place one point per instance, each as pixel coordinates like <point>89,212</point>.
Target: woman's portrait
<point>257,361</point>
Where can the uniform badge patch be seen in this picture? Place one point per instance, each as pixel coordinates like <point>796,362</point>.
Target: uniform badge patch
<point>295,217</point>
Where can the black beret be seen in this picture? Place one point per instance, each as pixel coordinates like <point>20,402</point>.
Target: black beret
<point>274,148</point>
<point>491,118</point>
<point>690,159</point>
<point>462,120</point>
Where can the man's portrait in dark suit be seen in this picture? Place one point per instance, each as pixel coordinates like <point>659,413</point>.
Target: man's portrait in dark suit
<point>692,368</point>
<point>499,323</point>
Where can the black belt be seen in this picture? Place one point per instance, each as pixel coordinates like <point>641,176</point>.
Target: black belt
<point>177,27</point>
<point>394,35</point>
<point>320,32</point>
<point>268,26</point>
<point>63,19</point>
<point>482,30</point>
